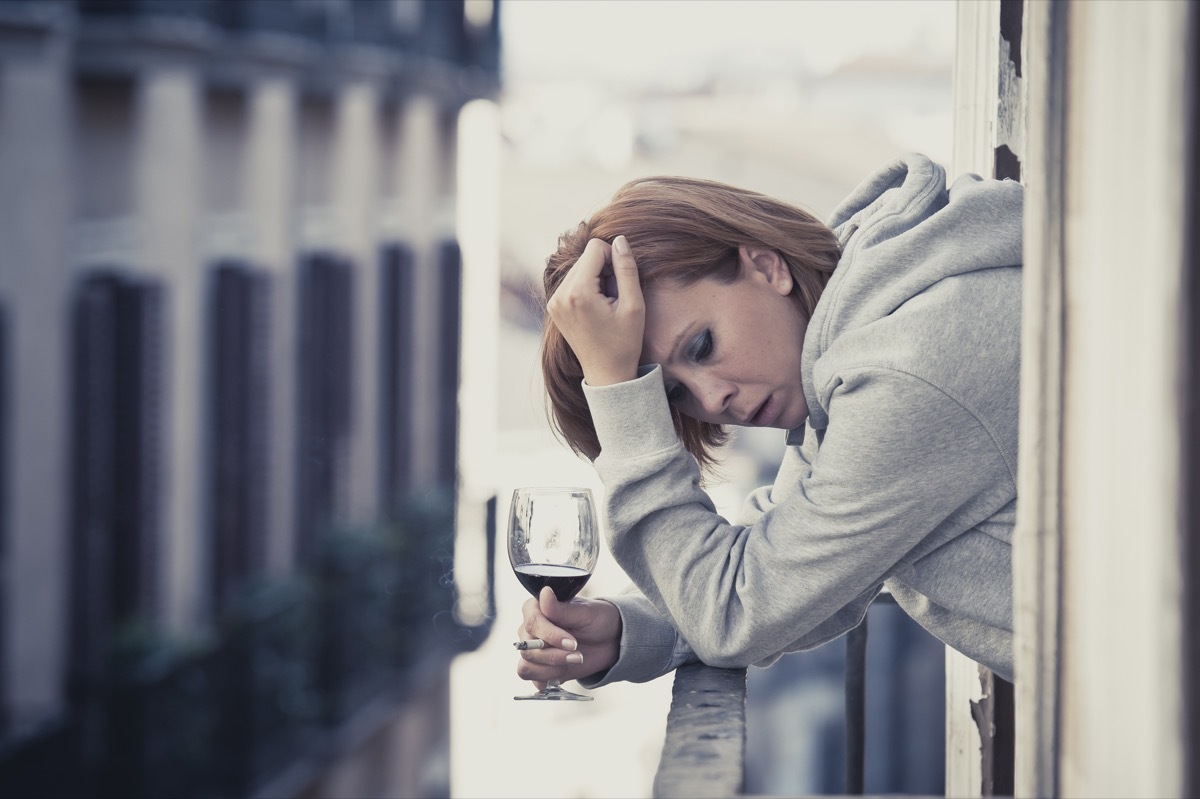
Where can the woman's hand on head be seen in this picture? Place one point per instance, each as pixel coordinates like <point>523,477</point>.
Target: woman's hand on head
<point>603,328</point>
<point>582,637</point>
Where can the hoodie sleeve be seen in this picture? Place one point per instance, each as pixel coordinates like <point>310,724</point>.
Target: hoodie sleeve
<point>900,465</point>
<point>650,645</point>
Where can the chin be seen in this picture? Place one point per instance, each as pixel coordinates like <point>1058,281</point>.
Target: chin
<point>791,421</point>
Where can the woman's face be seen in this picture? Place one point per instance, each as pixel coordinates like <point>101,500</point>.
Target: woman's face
<point>730,352</point>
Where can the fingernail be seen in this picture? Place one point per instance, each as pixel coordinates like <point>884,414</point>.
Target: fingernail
<point>621,245</point>
<point>575,658</point>
<point>569,643</point>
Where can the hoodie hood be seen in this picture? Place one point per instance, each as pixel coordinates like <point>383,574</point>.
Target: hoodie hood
<point>901,231</point>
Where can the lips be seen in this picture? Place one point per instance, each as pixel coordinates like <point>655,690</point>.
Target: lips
<point>766,412</point>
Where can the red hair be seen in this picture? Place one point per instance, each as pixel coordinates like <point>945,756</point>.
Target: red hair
<point>681,230</point>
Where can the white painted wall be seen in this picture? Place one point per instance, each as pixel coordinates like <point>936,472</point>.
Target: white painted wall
<point>976,84</point>
<point>355,200</point>
<point>269,191</point>
<point>1123,399</point>
<point>423,154</point>
<point>169,201</point>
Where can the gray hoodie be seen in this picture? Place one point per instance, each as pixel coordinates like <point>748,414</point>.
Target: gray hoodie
<point>904,475</point>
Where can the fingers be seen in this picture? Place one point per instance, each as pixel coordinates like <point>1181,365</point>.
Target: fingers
<point>596,254</point>
<point>604,331</point>
<point>584,279</point>
<point>544,664</point>
<point>554,660</point>
<point>549,663</point>
<point>608,270</point>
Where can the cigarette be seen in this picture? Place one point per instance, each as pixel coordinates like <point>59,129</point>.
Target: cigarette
<point>532,643</point>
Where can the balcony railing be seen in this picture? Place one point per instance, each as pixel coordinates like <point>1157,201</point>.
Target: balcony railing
<point>704,750</point>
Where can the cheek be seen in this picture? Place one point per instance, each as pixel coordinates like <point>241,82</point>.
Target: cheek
<point>772,349</point>
<point>788,334</point>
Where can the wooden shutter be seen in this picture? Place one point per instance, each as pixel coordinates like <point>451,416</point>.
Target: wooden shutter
<point>325,375</point>
<point>396,366</point>
<point>117,459</point>
<point>239,468</point>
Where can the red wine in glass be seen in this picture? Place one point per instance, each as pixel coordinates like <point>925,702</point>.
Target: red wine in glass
<point>553,541</point>
<point>565,581</point>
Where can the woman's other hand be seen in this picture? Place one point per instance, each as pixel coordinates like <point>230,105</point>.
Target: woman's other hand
<point>582,637</point>
<point>603,327</point>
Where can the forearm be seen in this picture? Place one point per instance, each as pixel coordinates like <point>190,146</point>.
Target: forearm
<point>809,563</point>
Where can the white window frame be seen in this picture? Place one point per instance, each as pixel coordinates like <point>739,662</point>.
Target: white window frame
<point>1100,539</point>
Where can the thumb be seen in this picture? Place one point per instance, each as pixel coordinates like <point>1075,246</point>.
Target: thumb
<point>564,614</point>
<point>626,272</point>
<point>548,603</point>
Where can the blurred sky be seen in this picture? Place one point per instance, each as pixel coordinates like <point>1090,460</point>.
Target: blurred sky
<point>679,44</point>
<point>799,99</point>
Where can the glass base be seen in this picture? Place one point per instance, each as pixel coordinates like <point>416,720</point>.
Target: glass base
<point>556,693</point>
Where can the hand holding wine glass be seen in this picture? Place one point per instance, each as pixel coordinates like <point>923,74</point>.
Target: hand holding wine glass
<point>553,542</point>
<point>593,627</point>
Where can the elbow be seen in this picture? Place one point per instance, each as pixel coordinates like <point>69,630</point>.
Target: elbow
<point>733,641</point>
<point>731,660</point>
<point>725,651</point>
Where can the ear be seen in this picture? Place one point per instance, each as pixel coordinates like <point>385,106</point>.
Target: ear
<point>767,265</point>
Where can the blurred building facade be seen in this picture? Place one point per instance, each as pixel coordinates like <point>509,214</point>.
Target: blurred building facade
<point>229,315</point>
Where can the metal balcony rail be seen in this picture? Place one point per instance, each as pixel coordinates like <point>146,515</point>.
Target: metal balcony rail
<point>704,750</point>
<point>856,702</point>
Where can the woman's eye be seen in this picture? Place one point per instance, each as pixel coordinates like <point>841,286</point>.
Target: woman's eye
<point>702,346</point>
<point>674,393</point>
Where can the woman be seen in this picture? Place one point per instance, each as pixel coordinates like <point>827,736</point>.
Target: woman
<point>886,345</point>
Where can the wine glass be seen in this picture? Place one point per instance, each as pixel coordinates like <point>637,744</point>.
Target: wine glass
<point>553,540</point>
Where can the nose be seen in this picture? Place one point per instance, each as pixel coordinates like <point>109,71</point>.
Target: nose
<point>714,395</point>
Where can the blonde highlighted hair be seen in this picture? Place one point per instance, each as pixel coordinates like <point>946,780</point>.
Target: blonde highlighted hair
<point>681,230</point>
